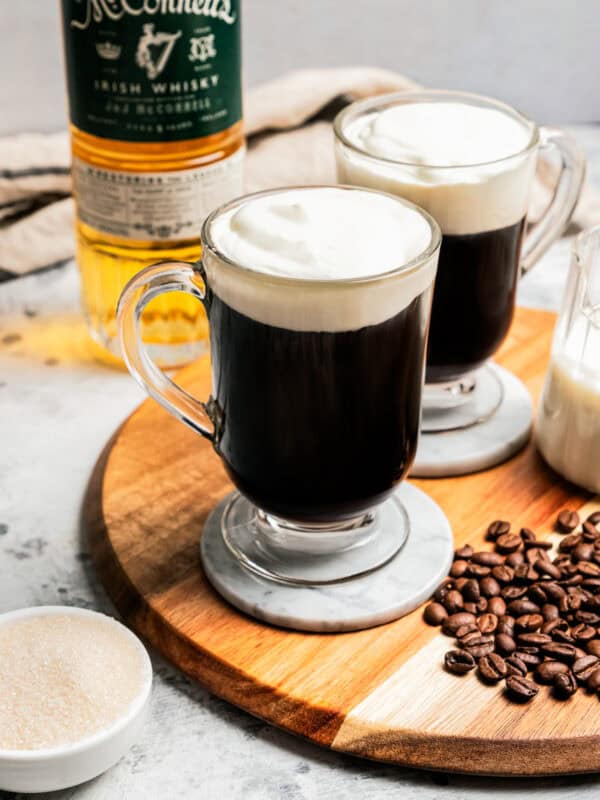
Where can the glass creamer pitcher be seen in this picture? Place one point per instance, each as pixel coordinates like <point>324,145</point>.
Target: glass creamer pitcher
<point>568,431</point>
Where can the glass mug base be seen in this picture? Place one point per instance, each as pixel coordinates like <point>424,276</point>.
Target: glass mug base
<point>382,595</point>
<point>459,404</point>
<point>296,553</point>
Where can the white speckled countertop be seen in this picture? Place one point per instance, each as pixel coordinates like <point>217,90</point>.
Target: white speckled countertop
<point>57,409</point>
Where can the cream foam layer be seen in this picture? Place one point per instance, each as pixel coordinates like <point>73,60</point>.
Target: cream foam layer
<point>302,248</point>
<point>462,193</point>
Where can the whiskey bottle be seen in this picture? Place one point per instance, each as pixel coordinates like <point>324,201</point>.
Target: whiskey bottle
<point>156,128</point>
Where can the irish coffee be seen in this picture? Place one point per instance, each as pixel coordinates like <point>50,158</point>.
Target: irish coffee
<point>470,164</point>
<point>318,343</point>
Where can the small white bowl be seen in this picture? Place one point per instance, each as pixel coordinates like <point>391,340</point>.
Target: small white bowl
<point>48,769</point>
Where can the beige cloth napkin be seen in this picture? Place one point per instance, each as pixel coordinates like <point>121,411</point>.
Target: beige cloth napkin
<point>288,123</point>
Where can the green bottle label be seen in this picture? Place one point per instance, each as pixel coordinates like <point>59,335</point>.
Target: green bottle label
<point>153,70</point>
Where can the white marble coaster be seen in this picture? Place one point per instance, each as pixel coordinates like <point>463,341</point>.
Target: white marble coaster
<point>484,444</point>
<point>362,602</point>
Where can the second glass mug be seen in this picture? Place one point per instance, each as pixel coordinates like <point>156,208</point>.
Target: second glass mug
<point>315,425</point>
<point>481,209</point>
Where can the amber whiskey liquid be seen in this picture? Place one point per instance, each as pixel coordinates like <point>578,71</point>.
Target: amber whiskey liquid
<point>157,143</point>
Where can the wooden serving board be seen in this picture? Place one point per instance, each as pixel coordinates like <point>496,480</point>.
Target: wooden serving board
<point>379,693</point>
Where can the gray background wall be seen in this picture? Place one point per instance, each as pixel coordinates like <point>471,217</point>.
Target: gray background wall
<point>540,55</point>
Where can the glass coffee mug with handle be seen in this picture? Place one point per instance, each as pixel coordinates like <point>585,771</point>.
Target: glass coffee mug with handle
<point>318,301</point>
<point>470,162</point>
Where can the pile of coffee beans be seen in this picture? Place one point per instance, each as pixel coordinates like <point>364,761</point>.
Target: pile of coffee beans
<point>515,611</point>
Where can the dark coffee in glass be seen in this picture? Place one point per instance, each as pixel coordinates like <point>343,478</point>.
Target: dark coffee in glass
<point>331,419</point>
<point>473,300</point>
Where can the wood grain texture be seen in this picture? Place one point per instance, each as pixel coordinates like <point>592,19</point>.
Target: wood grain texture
<point>379,693</point>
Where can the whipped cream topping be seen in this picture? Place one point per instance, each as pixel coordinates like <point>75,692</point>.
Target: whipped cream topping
<point>322,234</point>
<point>442,134</point>
<point>469,166</point>
<point>316,236</point>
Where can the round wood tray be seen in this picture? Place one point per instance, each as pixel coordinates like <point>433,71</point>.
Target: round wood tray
<point>379,693</point>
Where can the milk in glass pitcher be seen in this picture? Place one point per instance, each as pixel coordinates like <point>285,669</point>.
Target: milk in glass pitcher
<point>568,431</point>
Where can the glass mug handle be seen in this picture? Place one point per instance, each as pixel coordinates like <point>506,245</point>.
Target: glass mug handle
<point>166,276</point>
<point>564,200</point>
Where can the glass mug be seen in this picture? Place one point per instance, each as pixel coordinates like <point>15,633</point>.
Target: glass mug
<point>481,209</point>
<point>568,426</point>
<point>315,424</point>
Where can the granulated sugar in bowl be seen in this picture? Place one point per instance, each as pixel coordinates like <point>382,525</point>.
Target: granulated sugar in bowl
<point>75,693</point>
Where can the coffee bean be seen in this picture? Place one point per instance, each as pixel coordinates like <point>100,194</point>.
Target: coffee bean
<point>489,586</point>
<point>471,608</point>
<point>514,559</point>
<point>487,623</point>
<point>588,617</point>
<point>474,638</point>
<point>435,614</point>
<point>567,521</point>
<point>593,647</point>
<point>477,571</point>
<point>508,543</point>
<point>583,552</point>
<point>533,639</point>
<point>590,532</point>
<point>523,606</point>
<point>443,589</point>
<point>503,574</point>
<point>459,568</point>
<point>562,636</point>
<point>505,644</point>
<point>459,662</point>
<point>588,569</point>
<point>530,622</point>
<point>525,573</point>
<point>594,518</point>
<point>583,633</point>
<point>580,653</point>
<point>592,585</point>
<point>471,590</point>
<point>565,685</point>
<point>480,650</point>
<point>497,606</point>
<point>492,668</point>
<point>538,544</point>
<point>537,594</point>
<point>560,652</point>
<point>465,552</point>
<point>520,689</point>
<point>548,627</point>
<point>554,591</point>
<point>547,568</point>
<point>570,603</point>
<point>593,681</point>
<point>583,667</point>
<point>496,529</point>
<point>453,601</point>
<point>466,629</point>
<point>569,542</point>
<point>527,535</point>
<point>513,592</point>
<point>574,580</point>
<point>453,622</point>
<point>530,656</point>
<point>488,558</point>
<point>548,670</point>
<point>550,611</point>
